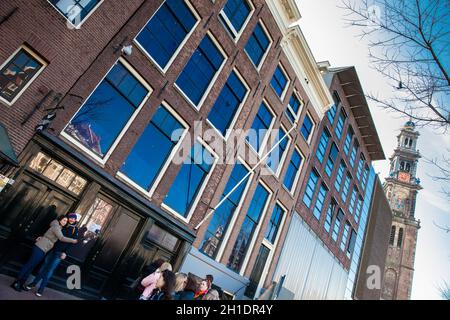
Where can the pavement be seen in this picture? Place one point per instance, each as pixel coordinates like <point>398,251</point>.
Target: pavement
<point>7,293</point>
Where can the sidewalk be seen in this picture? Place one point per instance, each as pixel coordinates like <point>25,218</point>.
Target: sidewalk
<point>7,293</point>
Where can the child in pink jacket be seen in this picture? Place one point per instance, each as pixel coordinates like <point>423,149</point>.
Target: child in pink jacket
<point>149,282</point>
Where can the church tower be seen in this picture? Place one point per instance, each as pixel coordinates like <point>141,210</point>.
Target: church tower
<point>401,189</point>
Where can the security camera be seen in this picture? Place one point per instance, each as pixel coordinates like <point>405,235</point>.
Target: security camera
<point>127,50</point>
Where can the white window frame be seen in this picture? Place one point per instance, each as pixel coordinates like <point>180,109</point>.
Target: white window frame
<point>76,26</point>
<point>258,228</point>
<point>266,31</point>
<point>288,83</point>
<point>180,47</point>
<point>80,146</point>
<point>267,135</point>
<point>235,215</point>
<point>175,149</point>
<point>213,81</point>
<point>272,248</point>
<point>283,158</point>
<point>300,109</point>
<point>179,216</point>
<point>313,129</point>
<point>235,33</point>
<point>238,111</point>
<point>38,59</point>
<point>297,175</point>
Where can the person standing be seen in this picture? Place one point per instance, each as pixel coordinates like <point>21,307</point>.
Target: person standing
<point>164,286</point>
<point>189,290</point>
<point>151,280</point>
<point>55,256</point>
<point>202,290</point>
<point>43,245</point>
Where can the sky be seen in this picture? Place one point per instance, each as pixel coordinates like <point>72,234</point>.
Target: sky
<point>331,39</point>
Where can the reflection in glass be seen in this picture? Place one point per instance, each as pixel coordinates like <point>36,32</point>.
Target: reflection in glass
<point>40,162</point>
<point>53,170</point>
<point>65,178</point>
<point>77,185</point>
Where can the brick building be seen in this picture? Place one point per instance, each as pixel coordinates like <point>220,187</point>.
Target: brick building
<point>92,95</point>
<point>335,209</point>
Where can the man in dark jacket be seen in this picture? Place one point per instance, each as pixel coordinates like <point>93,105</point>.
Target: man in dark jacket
<point>56,255</point>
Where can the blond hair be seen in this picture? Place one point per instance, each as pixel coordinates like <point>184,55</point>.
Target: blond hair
<point>165,266</point>
<point>180,281</point>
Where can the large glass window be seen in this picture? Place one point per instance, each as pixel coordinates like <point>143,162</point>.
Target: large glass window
<point>348,140</point>
<point>252,218</point>
<point>166,30</point>
<point>275,158</point>
<point>199,72</point>
<point>257,45</point>
<point>352,203</point>
<point>227,104</point>
<point>189,180</point>
<point>331,159</point>
<point>353,153</point>
<point>364,177</point>
<point>260,127</point>
<point>358,209</point>
<point>345,234</point>
<point>351,243</point>
<point>310,188</point>
<point>234,15</point>
<point>153,148</point>
<point>307,127</point>
<point>340,124</point>
<point>323,143</point>
<point>331,113</point>
<point>346,188</point>
<point>320,201</point>
<point>337,225</point>
<point>222,215</point>
<point>329,217</point>
<point>17,73</point>
<point>105,113</point>
<point>339,176</point>
<point>279,81</point>
<point>293,108</point>
<point>292,170</point>
<point>75,10</point>
<point>361,163</point>
<point>274,223</point>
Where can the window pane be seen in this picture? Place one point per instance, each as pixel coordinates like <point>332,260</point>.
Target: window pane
<point>200,70</point>
<point>166,30</point>
<point>151,151</point>
<point>189,180</point>
<point>17,73</point>
<point>306,127</point>
<point>75,10</point>
<point>279,81</point>
<point>257,45</point>
<point>292,170</point>
<point>237,12</point>
<point>274,224</point>
<point>103,116</point>
<point>222,216</point>
<point>228,102</point>
<point>260,126</point>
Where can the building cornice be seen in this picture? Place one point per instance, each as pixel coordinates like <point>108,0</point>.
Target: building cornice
<point>296,49</point>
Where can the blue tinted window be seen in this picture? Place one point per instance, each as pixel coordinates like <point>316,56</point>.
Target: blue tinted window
<point>237,12</point>
<point>331,114</point>
<point>331,159</point>
<point>358,209</point>
<point>293,108</point>
<point>339,176</point>
<point>340,125</point>
<point>361,162</point>
<point>274,224</point>
<point>189,180</point>
<point>345,189</point>
<point>275,157</point>
<point>166,30</point>
<point>307,127</point>
<point>292,170</point>
<point>329,216</point>
<point>337,225</point>
<point>103,116</point>
<point>320,201</point>
<point>257,45</point>
<point>152,149</point>
<point>279,81</point>
<point>323,143</point>
<point>223,214</point>
<point>353,153</point>
<point>228,102</point>
<point>310,188</point>
<point>260,126</point>
<point>348,140</point>
<point>200,70</point>
<point>248,227</point>
<point>344,238</point>
<point>352,203</point>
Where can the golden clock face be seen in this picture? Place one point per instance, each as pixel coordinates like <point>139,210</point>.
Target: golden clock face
<point>404,176</point>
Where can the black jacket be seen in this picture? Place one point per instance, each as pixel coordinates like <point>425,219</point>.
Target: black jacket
<point>70,231</point>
